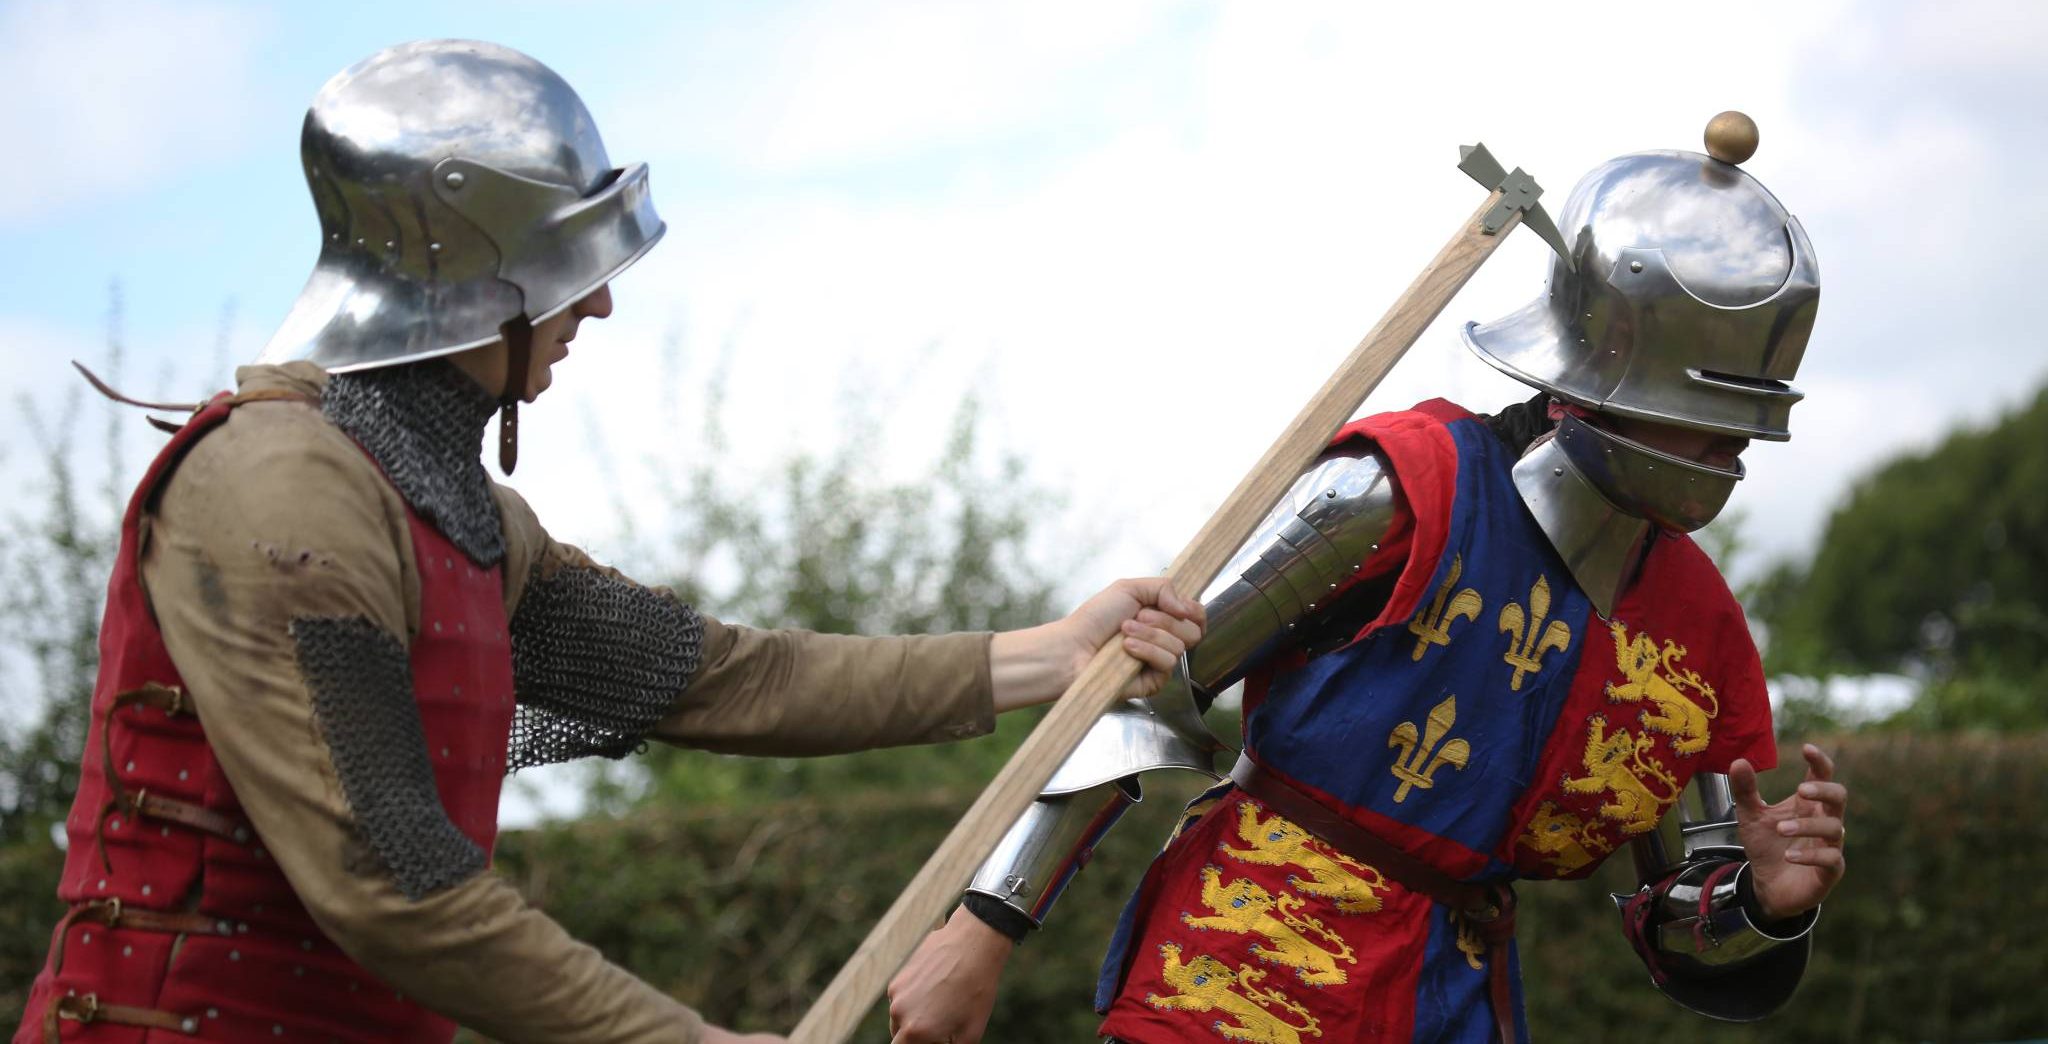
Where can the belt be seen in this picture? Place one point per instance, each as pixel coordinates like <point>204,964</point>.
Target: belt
<point>1489,909</point>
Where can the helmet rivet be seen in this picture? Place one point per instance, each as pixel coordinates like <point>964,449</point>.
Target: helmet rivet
<point>454,179</point>
<point>390,244</point>
<point>1557,471</point>
<point>434,247</point>
<point>1635,266</point>
<point>359,241</point>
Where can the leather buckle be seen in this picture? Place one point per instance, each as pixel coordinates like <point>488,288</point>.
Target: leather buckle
<point>113,911</point>
<point>80,1009</point>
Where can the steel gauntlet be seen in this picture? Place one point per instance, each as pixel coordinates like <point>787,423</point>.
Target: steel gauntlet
<point>1695,922</point>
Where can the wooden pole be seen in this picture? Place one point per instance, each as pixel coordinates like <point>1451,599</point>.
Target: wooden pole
<point>937,886</point>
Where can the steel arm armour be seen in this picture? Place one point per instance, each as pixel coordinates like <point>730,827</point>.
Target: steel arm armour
<point>1695,922</point>
<point>1329,521</point>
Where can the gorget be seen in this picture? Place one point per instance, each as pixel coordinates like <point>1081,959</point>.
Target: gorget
<point>423,423</point>
<point>1601,544</point>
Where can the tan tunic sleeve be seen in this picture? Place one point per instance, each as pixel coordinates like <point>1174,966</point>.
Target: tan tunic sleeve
<point>278,516</point>
<point>789,692</point>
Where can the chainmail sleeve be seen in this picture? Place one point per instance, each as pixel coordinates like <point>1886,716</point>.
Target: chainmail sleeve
<point>361,683</point>
<point>597,660</point>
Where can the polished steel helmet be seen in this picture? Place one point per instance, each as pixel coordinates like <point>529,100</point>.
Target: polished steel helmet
<point>460,185</point>
<point>1687,298</point>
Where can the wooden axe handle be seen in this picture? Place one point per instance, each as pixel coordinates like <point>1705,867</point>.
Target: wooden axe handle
<point>937,886</point>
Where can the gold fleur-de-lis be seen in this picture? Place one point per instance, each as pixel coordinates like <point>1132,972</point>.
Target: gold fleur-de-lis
<point>1433,625</point>
<point>1469,942</point>
<point>1529,639</point>
<point>1419,759</point>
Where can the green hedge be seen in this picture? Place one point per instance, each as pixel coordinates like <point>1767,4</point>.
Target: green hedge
<point>1939,933</point>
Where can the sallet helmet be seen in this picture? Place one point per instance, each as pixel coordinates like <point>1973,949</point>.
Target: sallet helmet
<point>1687,300</point>
<point>460,185</point>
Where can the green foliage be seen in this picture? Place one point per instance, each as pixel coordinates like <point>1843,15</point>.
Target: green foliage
<point>833,547</point>
<point>1933,935</point>
<point>1936,564</point>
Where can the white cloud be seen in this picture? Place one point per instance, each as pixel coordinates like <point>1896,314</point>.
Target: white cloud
<point>106,97</point>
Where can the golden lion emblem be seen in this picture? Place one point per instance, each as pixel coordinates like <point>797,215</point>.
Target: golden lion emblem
<point>1616,763</point>
<point>1653,674</point>
<point>1207,984</point>
<point>1277,841</point>
<point>1243,908</point>
<point>1559,837</point>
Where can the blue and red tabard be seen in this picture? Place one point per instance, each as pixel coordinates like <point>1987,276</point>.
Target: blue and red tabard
<point>1486,722</point>
<point>177,912</point>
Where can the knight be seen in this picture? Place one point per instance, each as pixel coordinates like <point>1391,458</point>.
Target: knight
<point>330,634</point>
<point>1471,650</point>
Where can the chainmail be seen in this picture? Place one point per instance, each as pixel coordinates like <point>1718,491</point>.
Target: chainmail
<point>596,661</point>
<point>423,423</point>
<point>361,681</point>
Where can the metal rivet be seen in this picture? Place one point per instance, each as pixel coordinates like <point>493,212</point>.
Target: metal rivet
<point>305,944</point>
<point>166,832</point>
<point>447,563</point>
<point>131,766</point>
<point>335,236</point>
<point>1635,266</point>
<point>222,928</point>
<point>276,1030</point>
<point>241,834</point>
<point>114,823</point>
<point>213,1013</point>
<point>145,889</point>
<point>359,241</point>
<point>391,244</point>
<point>184,775</point>
<point>103,884</point>
<point>299,970</point>
<point>1332,494</point>
<point>188,1025</point>
<point>87,937</point>
<point>444,752</point>
<point>437,627</point>
<point>433,248</point>
<point>242,927</point>
<point>1557,471</point>
<point>458,690</point>
<point>234,955</point>
<point>454,179</point>
<point>127,951</point>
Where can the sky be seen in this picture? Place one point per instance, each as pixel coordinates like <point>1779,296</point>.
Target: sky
<point>1141,234</point>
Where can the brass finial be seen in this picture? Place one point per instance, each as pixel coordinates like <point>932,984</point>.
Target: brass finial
<point>1731,137</point>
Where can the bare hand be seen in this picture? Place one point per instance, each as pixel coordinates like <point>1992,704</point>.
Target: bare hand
<point>1795,845</point>
<point>1157,624</point>
<point>948,989</point>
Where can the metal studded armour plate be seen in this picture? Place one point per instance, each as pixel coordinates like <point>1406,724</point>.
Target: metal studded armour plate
<point>596,660</point>
<point>424,425</point>
<point>361,682</point>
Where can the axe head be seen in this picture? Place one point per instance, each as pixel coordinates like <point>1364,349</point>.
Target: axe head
<point>1518,191</point>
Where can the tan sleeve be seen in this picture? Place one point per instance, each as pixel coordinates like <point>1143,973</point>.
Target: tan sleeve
<point>277,517</point>
<point>796,693</point>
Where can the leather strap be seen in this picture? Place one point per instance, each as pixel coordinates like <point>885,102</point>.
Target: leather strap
<point>171,700</point>
<point>87,1008</point>
<point>1489,909</point>
<point>112,913</point>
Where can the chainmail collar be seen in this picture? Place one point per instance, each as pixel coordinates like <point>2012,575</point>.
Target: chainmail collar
<point>423,423</point>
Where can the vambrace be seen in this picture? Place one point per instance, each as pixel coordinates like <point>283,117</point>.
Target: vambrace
<point>1695,923</point>
<point>360,679</point>
<point>1321,532</point>
<point>1056,836</point>
<point>597,661</point>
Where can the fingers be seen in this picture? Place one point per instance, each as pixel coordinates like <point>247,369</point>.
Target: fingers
<point>1823,828</point>
<point>1742,786</point>
<point>1832,797</point>
<point>1818,765</point>
<point>1159,591</point>
<point>1827,858</point>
